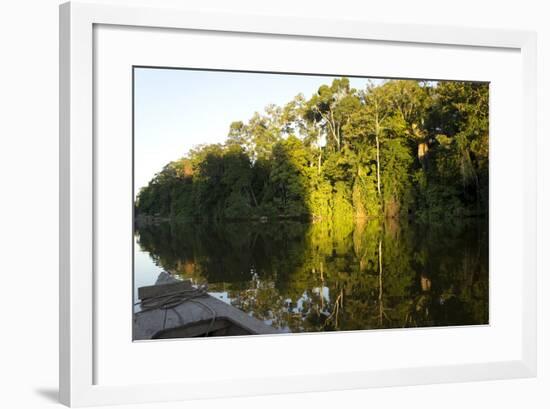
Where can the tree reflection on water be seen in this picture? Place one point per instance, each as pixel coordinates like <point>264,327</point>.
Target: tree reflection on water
<point>309,277</point>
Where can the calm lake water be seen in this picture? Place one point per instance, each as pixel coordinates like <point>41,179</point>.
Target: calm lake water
<point>309,277</point>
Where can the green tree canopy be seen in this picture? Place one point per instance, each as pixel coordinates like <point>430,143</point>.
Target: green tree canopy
<point>398,148</point>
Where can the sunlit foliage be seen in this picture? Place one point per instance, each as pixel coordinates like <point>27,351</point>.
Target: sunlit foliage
<point>397,149</point>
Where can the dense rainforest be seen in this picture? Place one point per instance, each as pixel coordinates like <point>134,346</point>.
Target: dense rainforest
<point>399,148</point>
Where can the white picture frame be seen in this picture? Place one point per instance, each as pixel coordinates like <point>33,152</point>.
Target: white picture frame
<point>78,289</point>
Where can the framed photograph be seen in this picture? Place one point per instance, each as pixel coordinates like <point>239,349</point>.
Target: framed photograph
<point>256,204</point>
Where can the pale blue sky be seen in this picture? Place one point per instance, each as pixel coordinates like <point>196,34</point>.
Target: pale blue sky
<point>176,110</point>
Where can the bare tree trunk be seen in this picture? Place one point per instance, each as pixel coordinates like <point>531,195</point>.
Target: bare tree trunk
<point>335,130</point>
<point>380,301</point>
<point>377,132</point>
<point>253,196</point>
<point>320,150</point>
<point>329,119</point>
<point>322,286</point>
<point>423,154</point>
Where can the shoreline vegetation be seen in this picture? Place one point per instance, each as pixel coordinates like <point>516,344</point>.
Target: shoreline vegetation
<point>402,149</point>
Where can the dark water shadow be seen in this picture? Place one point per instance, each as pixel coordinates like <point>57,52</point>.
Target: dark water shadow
<point>321,276</point>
